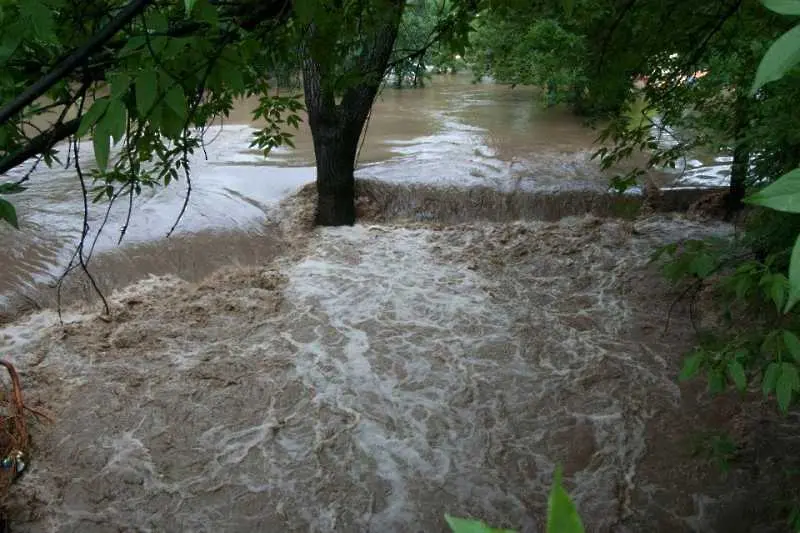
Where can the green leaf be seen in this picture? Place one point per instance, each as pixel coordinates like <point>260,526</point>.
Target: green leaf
<point>569,6</point>
<point>779,59</point>
<point>157,21</point>
<point>189,6</point>
<point>784,390</point>
<point>115,120</point>
<point>743,286</point>
<point>790,370</point>
<point>91,117</point>
<point>794,277</point>
<point>11,188</point>
<point>792,344</point>
<point>777,292</point>
<point>702,265</point>
<point>691,365</point>
<point>40,18</point>
<point>120,83</point>
<point>146,92</point>
<point>784,7</point>
<point>782,195</point>
<point>102,147</point>
<point>736,372</point>
<point>132,44</point>
<point>8,213</point>
<point>717,381</point>
<point>770,378</point>
<point>466,525</point>
<point>176,101</point>
<point>562,516</point>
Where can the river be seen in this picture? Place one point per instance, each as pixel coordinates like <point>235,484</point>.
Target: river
<point>452,132</point>
<point>372,378</point>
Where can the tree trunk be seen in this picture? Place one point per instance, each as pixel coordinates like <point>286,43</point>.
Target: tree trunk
<point>335,147</point>
<point>336,128</point>
<point>741,156</point>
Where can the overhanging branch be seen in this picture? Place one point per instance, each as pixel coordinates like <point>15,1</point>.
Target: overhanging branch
<point>39,144</point>
<point>73,61</point>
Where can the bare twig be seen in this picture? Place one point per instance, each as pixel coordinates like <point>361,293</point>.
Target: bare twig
<point>85,232</point>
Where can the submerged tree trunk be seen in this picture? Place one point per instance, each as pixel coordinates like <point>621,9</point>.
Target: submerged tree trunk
<point>336,127</point>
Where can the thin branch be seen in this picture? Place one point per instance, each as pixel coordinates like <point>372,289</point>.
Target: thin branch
<point>185,204</point>
<point>85,232</point>
<point>73,61</point>
<point>39,144</point>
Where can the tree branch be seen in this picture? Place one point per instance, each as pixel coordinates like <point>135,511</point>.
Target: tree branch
<point>73,61</point>
<point>39,144</point>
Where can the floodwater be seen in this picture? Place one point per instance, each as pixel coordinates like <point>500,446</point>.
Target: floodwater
<point>453,132</point>
<point>368,378</point>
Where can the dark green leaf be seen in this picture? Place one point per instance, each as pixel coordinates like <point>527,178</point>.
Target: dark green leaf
<point>717,381</point>
<point>8,213</point>
<point>770,378</point>
<point>115,120</point>
<point>146,92</point>
<point>794,277</point>
<point>102,147</point>
<point>790,370</point>
<point>133,44</point>
<point>792,344</point>
<point>692,364</point>
<point>157,21</point>
<point>203,10</point>
<point>562,516</point>
<point>189,4</point>
<point>777,292</point>
<point>93,115</point>
<point>736,372</point>
<point>171,124</point>
<point>11,188</point>
<point>120,83</point>
<point>784,390</point>
<point>702,265</point>
<point>780,57</point>
<point>176,100</point>
<point>784,7</point>
<point>466,525</point>
<point>40,18</point>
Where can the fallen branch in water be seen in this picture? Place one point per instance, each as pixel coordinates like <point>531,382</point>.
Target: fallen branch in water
<point>14,437</point>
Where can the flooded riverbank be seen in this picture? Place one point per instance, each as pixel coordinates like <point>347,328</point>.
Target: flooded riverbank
<point>453,133</point>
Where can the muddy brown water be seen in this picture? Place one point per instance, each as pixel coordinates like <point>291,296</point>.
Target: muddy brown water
<point>452,133</point>
<point>373,378</point>
<point>440,356</point>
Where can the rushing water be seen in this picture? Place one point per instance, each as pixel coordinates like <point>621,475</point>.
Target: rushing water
<point>382,376</point>
<point>452,132</point>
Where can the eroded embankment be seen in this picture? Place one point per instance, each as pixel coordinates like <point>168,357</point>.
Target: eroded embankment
<point>371,380</point>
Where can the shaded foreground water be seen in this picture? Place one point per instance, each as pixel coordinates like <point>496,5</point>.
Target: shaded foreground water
<point>373,378</point>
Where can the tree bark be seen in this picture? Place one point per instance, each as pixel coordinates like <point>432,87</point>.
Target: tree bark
<point>741,156</point>
<point>336,128</point>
